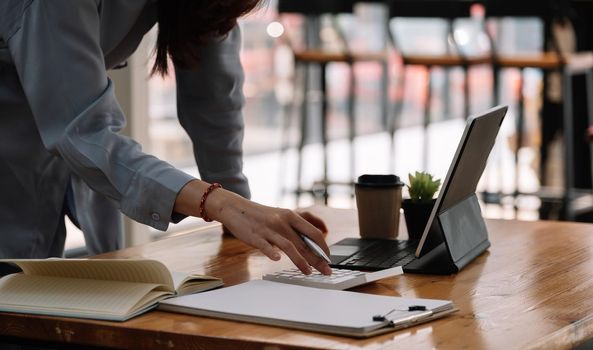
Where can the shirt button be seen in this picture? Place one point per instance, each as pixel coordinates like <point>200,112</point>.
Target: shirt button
<point>155,216</point>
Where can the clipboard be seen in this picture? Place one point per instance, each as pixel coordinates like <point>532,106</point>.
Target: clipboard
<point>345,313</point>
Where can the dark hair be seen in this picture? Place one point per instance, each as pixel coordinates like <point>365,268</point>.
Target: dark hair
<point>186,25</point>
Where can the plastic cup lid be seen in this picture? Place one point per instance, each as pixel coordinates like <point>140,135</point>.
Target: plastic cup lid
<point>368,180</point>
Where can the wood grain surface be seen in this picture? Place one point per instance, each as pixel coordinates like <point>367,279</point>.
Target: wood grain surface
<point>533,289</point>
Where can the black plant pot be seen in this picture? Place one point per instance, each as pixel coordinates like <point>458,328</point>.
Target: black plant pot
<point>416,215</point>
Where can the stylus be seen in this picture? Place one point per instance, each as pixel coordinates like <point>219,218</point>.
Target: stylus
<point>315,248</point>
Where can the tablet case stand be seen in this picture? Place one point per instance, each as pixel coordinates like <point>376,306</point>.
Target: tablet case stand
<point>464,221</point>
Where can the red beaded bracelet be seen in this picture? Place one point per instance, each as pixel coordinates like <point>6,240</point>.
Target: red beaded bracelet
<point>211,188</point>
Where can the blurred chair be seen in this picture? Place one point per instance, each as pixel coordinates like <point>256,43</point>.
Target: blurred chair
<point>451,57</point>
<point>561,59</point>
<point>313,55</point>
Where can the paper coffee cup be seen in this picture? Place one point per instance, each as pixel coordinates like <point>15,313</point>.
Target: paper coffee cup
<point>378,199</point>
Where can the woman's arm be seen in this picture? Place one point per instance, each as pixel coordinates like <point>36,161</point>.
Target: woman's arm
<point>209,107</point>
<point>210,101</point>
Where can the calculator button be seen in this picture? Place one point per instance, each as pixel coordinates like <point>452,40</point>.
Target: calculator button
<point>338,280</point>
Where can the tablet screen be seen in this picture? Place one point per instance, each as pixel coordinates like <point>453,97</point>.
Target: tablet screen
<point>465,170</point>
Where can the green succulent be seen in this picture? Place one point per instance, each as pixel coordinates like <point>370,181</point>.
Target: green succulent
<point>422,187</point>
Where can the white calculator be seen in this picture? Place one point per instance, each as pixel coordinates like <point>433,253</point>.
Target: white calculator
<point>340,279</point>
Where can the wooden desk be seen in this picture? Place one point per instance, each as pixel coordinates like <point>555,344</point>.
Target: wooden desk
<point>532,289</point>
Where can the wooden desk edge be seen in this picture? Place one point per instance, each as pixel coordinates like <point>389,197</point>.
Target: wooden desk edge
<point>114,335</point>
<point>568,337</point>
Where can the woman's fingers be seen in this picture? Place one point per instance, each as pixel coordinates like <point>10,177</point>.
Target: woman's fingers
<point>301,251</point>
<point>316,261</point>
<point>288,227</point>
<point>303,226</point>
<point>315,220</point>
<point>292,252</point>
<point>267,249</point>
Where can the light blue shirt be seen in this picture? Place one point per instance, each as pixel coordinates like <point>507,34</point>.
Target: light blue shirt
<point>60,123</point>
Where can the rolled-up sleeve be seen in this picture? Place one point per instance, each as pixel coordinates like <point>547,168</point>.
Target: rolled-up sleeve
<point>60,63</point>
<point>209,104</point>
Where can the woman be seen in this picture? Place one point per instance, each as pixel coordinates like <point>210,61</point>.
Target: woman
<point>59,120</point>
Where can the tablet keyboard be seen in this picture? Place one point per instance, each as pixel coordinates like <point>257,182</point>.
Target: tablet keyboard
<point>381,255</point>
<point>340,279</point>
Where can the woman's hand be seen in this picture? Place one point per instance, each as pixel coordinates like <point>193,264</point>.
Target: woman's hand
<point>272,229</point>
<point>313,219</point>
<point>265,228</point>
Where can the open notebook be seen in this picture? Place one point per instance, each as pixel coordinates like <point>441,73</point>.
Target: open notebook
<point>320,310</point>
<point>106,289</point>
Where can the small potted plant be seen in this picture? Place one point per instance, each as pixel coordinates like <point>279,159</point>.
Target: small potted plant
<point>422,188</point>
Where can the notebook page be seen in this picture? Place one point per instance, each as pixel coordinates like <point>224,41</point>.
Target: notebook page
<point>143,271</point>
<point>179,278</point>
<point>186,283</point>
<point>57,295</point>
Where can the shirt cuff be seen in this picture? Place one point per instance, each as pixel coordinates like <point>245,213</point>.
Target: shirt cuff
<point>150,200</point>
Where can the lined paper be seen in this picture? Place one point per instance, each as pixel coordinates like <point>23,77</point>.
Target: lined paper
<point>67,294</point>
<point>142,271</point>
